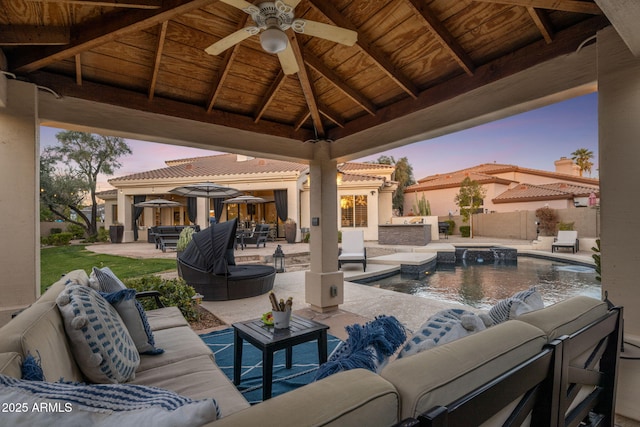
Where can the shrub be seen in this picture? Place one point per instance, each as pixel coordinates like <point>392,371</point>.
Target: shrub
<point>339,236</point>
<point>548,220</point>
<point>55,230</point>
<point>173,292</point>
<point>307,237</point>
<point>60,239</point>
<point>185,238</point>
<point>565,225</point>
<point>465,230</point>
<point>76,230</point>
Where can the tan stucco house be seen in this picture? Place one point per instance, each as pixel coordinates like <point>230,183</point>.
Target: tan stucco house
<point>508,188</point>
<point>364,193</point>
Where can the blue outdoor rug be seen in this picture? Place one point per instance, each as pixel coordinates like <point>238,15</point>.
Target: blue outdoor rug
<point>302,372</point>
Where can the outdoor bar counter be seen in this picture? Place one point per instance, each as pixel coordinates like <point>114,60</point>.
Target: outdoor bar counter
<point>404,234</point>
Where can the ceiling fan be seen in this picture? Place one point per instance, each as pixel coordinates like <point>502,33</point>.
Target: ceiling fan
<point>273,19</point>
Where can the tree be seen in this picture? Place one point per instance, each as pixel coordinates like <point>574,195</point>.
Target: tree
<point>403,175</point>
<point>84,156</point>
<point>469,199</point>
<point>582,157</point>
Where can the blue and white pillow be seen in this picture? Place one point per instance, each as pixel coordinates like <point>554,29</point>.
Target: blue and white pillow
<point>100,342</point>
<point>443,327</point>
<point>520,303</point>
<point>104,405</point>
<point>31,369</point>
<point>109,285</point>
<point>104,280</point>
<point>135,319</point>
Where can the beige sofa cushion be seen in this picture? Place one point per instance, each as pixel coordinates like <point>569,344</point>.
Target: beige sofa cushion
<point>39,330</point>
<point>165,318</point>
<point>566,317</point>
<point>10,364</point>
<point>198,378</point>
<point>75,277</point>
<point>350,398</point>
<point>178,343</point>
<point>443,374</point>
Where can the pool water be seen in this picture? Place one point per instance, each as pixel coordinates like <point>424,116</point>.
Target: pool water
<point>481,285</point>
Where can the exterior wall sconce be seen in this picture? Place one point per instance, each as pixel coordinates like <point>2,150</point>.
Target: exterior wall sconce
<point>278,260</point>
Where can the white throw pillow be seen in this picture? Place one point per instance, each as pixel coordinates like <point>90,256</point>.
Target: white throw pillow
<point>520,303</point>
<point>104,280</point>
<point>100,342</point>
<point>44,404</point>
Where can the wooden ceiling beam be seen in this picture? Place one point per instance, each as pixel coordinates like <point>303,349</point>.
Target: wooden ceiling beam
<point>156,62</point>
<point>301,120</point>
<point>314,62</point>
<point>330,114</point>
<point>78,70</point>
<point>565,42</point>
<point>307,87</point>
<point>367,46</point>
<point>225,66</point>
<point>543,23</point>
<point>33,35</point>
<point>271,93</point>
<point>136,4</point>
<point>574,6</point>
<point>133,100</point>
<point>444,37</point>
<point>101,30</point>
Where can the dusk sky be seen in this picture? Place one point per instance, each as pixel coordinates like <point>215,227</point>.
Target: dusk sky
<point>534,139</point>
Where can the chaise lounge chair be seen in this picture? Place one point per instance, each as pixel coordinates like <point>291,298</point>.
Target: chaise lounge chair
<point>566,239</point>
<point>258,236</point>
<point>353,250</point>
<point>208,265</point>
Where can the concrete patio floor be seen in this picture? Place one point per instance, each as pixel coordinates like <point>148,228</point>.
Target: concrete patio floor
<point>361,303</point>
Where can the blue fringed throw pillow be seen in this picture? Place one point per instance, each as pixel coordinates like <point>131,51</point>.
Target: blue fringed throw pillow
<point>135,319</point>
<point>368,347</point>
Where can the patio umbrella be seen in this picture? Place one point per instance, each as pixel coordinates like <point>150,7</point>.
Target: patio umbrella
<point>245,200</point>
<point>205,189</point>
<point>157,203</point>
<point>209,190</point>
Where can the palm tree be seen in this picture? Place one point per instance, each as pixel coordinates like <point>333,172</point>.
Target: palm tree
<point>582,157</point>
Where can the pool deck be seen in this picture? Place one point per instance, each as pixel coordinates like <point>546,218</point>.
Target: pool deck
<point>361,303</point>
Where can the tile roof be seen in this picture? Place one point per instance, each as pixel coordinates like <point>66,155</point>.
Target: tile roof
<point>529,192</point>
<point>212,166</point>
<point>454,179</point>
<point>357,166</point>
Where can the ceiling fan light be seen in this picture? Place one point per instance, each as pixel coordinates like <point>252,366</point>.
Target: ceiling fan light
<point>273,40</point>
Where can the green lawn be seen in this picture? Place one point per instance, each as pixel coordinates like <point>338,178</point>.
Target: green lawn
<point>54,262</point>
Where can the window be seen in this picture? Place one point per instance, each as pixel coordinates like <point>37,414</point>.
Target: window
<point>353,211</point>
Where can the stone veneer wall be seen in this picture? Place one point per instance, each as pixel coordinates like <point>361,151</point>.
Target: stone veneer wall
<point>404,234</point>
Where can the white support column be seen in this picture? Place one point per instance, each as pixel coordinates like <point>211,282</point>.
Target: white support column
<point>619,132</point>
<point>20,192</point>
<point>125,215</point>
<point>324,284</point>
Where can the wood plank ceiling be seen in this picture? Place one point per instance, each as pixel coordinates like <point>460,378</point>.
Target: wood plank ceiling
<point>149,55</point>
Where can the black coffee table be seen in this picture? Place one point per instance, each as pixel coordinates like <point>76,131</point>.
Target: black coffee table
<point>269,340</point>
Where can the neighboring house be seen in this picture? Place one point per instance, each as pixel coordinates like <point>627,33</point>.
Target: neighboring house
<point>508,188</point>
<point>364,191</point>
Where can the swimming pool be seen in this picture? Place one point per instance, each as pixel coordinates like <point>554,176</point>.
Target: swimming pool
<point>481,285</point>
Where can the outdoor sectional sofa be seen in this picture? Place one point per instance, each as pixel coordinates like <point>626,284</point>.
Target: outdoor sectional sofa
<point>545,350</point>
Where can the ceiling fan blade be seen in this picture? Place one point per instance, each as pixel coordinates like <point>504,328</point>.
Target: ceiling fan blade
<point>287,5</point>
<point>325,31</point>
<point>231,40</point>
<point>288,60</point>
<point>243,5</point>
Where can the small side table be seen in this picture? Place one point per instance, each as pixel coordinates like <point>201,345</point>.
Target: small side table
<point>269,340</point>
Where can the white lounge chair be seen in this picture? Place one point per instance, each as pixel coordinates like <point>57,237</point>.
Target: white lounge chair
<point>566,239</point>
<point>353,250</point>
